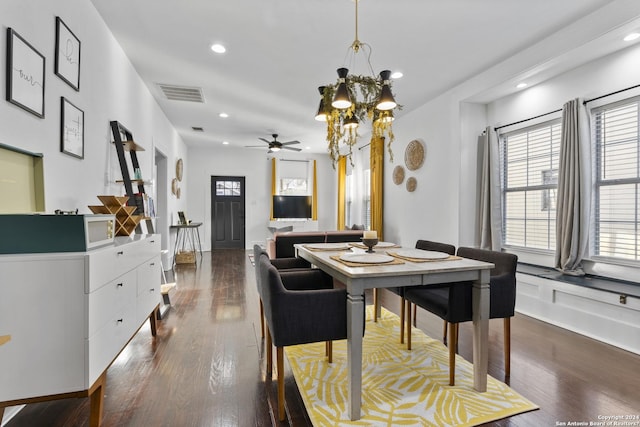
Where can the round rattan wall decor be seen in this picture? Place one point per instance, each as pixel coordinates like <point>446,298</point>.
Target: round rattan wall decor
<point>412,183</point>
<point>398,175</point>
<point>179,168</point>
<point>414,155</point>
<point>174,186</point>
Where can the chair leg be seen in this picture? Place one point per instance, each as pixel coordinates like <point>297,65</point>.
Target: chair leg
<point>453,339</point>
<point>444,332</point>
<point>261,319</point>
<point>507,347</point>
<point>269,354</point>
<point>329,351</point>
<point>415,315</point>
<point>408,320</point>
<point>280,362</point>
<point>401,320</point>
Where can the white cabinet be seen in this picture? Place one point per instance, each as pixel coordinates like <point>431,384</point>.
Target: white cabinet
<point>68,315</point>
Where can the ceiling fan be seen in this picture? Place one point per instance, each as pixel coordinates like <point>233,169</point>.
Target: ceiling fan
<point>276,145</point>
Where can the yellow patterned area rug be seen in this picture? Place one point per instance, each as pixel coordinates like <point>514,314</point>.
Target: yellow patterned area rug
<point>399,387</point>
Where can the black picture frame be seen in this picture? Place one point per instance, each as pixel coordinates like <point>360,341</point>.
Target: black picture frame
<point>25,74</point>
<point>67,57</point>
<point>182,219</point>
<point>71,129</point>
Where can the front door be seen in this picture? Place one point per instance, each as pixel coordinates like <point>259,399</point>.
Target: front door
<point>227,212</point>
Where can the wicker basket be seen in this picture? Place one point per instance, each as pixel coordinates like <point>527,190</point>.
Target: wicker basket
<point>186,257</point>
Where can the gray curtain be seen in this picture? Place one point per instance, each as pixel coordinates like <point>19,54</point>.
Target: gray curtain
<point>489,234</point>
<point>572,207</point>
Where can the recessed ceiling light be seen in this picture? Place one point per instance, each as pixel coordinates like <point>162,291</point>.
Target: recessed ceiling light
<point>631,36</point>
<point>225,142</point>
<point>396,75</point>
<point>218,48</point>
<point>223,115</point>
<point>308,148</point>
<point>521,85</point>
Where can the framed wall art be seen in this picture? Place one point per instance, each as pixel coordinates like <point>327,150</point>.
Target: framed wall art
<point>67,59</point>
<point>25,74</point>
<point>71,129</point>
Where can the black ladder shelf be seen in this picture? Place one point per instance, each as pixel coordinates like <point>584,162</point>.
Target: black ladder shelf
<point>123,140</point>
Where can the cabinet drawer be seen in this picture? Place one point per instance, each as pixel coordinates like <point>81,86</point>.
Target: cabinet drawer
<point>110,301</point>
<point>108,263</point>
<point>148,287</point>
<point>104,346</point>
<point>149,276</point>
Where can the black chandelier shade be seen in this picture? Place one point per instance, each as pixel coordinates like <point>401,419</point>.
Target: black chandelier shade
<point>341,99</point>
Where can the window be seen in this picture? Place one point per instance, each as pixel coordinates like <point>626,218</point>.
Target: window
<point>228,188</point>
<point>530,177</point>
<point>367,199</point>
<point>293,186</point>
<point>617,186</point>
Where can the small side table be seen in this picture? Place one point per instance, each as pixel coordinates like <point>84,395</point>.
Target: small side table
<point>187,238</point>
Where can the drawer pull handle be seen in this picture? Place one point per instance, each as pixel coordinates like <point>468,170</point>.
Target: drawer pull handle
<point>152,264</point>
<point>119,320</point>
<point>152,241</point>
<point>120,253</point>
<point>152,289</point>
<point>119,285</point>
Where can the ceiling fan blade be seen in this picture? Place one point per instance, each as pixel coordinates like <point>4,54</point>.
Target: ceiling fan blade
<point>292,148</point>
<point>291,143</point>
<point>254,146</point>
<point>262,139</point>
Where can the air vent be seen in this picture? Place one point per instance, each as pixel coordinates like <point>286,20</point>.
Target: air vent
<point>182,93</point>
<point>197,128</point>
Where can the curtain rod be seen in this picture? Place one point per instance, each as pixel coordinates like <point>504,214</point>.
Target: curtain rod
<point>526,120</point>
<point>292,160</point>
<point>609,94</point>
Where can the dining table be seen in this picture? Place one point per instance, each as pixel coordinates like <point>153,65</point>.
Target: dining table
<point>368,274</point>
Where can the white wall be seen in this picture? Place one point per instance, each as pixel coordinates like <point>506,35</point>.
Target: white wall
<point>110,89</point>
<point>255,166</point>
<point>432,211</point>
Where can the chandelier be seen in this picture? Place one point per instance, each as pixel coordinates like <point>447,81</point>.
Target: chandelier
<point>355,99</point>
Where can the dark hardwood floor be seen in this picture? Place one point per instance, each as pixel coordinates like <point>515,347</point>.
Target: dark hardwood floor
<point>205,366</point>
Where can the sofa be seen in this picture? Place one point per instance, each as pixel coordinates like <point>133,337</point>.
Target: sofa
<point>281,245</point>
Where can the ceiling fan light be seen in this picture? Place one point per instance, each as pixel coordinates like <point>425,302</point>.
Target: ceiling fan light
<point>275,149</point>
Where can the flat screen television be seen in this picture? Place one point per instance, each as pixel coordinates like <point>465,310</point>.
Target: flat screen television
<point>292,207</point>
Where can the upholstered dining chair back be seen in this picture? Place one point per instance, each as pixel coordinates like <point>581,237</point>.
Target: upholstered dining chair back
<point>428,245</point>
<point>502,281</point>
<point>302,316</point>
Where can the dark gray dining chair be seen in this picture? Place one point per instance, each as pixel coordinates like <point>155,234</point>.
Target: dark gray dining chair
<point>405,306</point>
<point>453,302</point>
<point>299,316</point>
<point>280,264</point>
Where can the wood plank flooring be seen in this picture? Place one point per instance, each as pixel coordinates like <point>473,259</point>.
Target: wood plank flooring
<point>205,367</point>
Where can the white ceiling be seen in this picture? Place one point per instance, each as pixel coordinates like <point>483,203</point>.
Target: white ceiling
<point>280,51</point>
